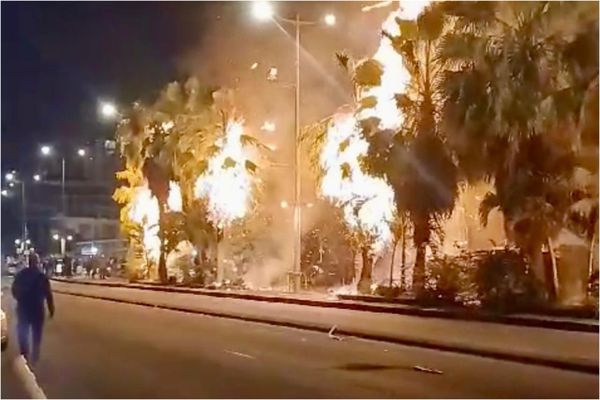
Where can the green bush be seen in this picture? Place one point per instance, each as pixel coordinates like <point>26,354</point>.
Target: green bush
<point>497,280</point>
<point>503,281</point>
<point>449,280</point>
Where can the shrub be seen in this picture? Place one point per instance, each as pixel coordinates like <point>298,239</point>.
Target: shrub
<point>503,281</point>
<point>449,280</point>
<point>387,291</point>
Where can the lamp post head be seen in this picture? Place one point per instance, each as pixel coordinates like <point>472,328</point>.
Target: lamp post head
<point>262,10</point>
<point>330,19</point>
<point>108,110</point>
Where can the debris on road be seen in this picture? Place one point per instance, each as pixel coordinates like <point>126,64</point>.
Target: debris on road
<point>427,370</point>
<point>332,335</point>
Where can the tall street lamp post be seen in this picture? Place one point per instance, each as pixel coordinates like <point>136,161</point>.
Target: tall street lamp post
<point>11,178</point>
<point>47,151</point>
<point>262,10</point>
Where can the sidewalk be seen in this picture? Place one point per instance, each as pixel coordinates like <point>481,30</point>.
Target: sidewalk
<point>549,347</point>
<point>357,304</point>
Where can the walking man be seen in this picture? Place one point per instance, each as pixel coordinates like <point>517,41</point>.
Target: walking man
<point>31,289</point>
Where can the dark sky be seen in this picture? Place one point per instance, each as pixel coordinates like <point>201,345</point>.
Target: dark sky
<point>59,59</point>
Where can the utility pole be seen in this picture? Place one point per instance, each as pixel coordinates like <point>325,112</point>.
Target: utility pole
<point>297,175</point>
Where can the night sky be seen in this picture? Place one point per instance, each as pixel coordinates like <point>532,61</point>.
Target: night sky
<point>60,59</point>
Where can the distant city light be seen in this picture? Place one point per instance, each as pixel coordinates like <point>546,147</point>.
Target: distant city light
<point>9,176</point>
<point>55,236</point>
<point>4,192</point>
<point>28,241</point>
<point>81,152</point>
<point>17,241</point>
<point>46,150</point>
<point>70,237</point>
<point>284,204</point>
<point>37,177</point>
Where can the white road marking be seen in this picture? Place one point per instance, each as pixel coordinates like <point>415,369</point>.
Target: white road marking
<point>239,354</point>
<point>28,379</point>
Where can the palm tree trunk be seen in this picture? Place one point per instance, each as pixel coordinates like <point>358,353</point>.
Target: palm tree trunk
<point>403,266</point>
<point>592,252</point>
<point>219,261</point>
<point>162,260</point>
<point>536,261</point>
<point>421,234</point>
<point>392,262</point>
<point>364,283</point>
<point>555,284</point>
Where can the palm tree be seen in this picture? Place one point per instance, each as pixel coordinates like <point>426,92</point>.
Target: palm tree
<point>508,97</point>
<point>415,160</point>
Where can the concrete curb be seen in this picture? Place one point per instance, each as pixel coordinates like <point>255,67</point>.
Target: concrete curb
<point>571,325</point>
<point>590,368</point>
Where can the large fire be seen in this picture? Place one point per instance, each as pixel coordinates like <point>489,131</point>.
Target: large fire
<point>367,201</point>
<point>226,183</point>
<point>145,212</point>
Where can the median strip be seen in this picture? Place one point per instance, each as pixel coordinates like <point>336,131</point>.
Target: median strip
<point>453,314</point>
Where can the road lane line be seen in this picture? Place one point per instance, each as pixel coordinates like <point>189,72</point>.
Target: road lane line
<point>27,377</point>
<point>239,354</point>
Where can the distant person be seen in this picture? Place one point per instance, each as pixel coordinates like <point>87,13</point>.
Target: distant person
<point>31,289</point>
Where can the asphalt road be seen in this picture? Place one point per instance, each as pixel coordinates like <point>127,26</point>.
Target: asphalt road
<point>99,349</point>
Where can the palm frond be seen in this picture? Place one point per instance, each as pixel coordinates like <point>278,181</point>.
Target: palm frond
<point>489,202</point>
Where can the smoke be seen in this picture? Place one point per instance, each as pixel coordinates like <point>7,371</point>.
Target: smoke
<point>237,51</point>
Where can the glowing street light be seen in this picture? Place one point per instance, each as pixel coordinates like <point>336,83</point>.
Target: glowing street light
<point>9,176</point>
<point>11,184</point>
<point>262,10</point>
<point>69,237</point>
<point>27,241</point>
<point>284,204</point>
<point>46,150</point>
<point>56,236</point>
<point>330,19</point>
<point>37,177</point>
<point>81,152</point>
<point>17,241</point>
<point>108,110</point>
<point>4,192</point>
